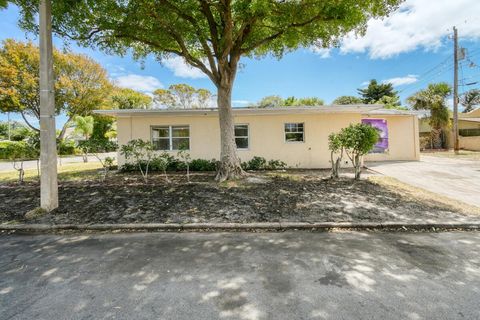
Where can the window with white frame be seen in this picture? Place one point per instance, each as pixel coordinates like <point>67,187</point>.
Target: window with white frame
<point>241,136</point>
<point>294,132</point>
<point>171,137</point>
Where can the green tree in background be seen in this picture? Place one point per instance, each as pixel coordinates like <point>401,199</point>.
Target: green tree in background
<point>375,91</point>
<point>124,98</point>
<point>270,102</point>
<point>81,84</point>
<point>277,101</point>
<point>470,99</point>
<point>342,100</point>
<point>434,99</point>
<point>183,96</point>
<point>211,36</point>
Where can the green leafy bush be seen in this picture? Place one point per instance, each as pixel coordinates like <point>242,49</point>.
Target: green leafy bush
<point>256,163</point>
<point>14,150</point>
<point>356,140</point>
<point>276,165</point>
<point>203,165</point>
<point>260,163</point>
<point>66,147</point>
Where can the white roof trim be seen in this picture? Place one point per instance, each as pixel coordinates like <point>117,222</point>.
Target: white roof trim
<point>362,109</point>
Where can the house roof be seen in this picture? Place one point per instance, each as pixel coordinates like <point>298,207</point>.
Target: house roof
<point>469,119</point>
<point>366,109</point>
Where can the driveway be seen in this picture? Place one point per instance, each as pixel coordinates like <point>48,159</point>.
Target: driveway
<point>250,276</point>
<point>7,165</point>
<point>455,178</point>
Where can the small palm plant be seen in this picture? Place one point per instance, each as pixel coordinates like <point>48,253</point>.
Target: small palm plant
<point>84,127</point>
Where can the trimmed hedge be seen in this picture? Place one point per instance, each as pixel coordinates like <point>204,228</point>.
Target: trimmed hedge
<point>174,164</point>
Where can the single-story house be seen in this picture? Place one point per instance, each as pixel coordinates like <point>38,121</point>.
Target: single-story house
<point>468,130</point>
<point>296,135</point>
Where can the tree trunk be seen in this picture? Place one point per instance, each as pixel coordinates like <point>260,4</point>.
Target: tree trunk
<point>229,167</point>
<point>358,169</point>
<point>436,136</point>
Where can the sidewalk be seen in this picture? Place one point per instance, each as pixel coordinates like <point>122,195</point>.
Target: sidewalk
<point>7,165</point>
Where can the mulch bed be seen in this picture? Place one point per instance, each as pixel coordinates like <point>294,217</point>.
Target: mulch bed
<point>301,196</point>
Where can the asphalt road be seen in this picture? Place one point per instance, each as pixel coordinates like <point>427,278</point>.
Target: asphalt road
<point>292,275</point>
<point>455,178</point>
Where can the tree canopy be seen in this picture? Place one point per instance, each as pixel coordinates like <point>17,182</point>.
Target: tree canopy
<point>210,35</point>
<point>81,84</point>
<point>470,99</point>
<point>183,96</point>
<point>347,100</point>
<point>375,91</point>
<point>277,101</point>
<point>125,98</point>
<point>433,98</point>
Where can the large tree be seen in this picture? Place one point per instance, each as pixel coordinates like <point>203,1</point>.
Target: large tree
<point>375,91</point>
<point>433,98</point>
<point>211,35</point>
<point>125,98</point>
<point>183,96</point>
<point>342,100</point>
<point>81,84</point>
<point>470,99</point>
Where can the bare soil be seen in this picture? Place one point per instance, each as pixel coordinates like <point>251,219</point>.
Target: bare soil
<point>304,196</point>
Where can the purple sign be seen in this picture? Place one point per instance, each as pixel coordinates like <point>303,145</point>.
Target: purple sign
<point>381,126</point>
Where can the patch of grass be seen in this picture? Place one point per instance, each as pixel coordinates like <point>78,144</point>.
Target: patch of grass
<point>66,172</point>
<point>423,195</point>
<point>462,154</point>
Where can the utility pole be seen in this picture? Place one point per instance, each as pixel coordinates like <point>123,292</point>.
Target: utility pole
<point>455,90</point>
<point>48,143</point>
<point>9,127</point>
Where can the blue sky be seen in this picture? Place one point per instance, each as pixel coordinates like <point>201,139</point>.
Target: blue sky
<point>411,48</point>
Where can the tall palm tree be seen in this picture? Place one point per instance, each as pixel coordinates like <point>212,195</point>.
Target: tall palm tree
<point>433,99</point>
<point>470,99</point>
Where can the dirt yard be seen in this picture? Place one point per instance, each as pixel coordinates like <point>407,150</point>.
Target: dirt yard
<point>292,196</point>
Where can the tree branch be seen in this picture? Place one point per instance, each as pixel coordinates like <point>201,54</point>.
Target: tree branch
<point>27,122</point>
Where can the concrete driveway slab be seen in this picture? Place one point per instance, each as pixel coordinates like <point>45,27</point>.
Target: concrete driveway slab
<point>458,179</point>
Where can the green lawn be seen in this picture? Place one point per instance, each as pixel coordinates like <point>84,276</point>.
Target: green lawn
<point>66,172</point>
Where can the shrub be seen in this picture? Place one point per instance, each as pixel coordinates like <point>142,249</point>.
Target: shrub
<point>66,147</point>
<point>357,140</point>
<point>336,152</point>
<point>140,153</point>
<point>260,163</point>
<point>276,165</point>
<point>15,150</point>
<point>256,163</point>
<point>203,165</point>
<point>18,151</point>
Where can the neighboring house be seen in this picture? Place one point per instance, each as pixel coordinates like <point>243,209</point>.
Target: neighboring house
<point>468,130</point>
<point>295,135</point>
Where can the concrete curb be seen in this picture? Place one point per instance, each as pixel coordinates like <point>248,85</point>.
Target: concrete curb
<point>259,226</point>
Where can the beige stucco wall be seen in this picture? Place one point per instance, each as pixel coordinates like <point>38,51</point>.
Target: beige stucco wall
<point>469,143</point>
<point>267,137</point>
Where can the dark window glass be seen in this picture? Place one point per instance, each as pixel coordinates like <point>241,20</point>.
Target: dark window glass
<point>294,132</point>
<point>241,136</point>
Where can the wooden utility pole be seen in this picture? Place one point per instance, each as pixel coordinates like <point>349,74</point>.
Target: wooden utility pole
<point>455,90</point>
<point>48,143</point>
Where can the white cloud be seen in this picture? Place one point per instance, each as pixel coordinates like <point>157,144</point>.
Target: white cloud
<point>138,82</point>
<point>324,53</point>
<point>416,24</point>
<point>181,69</point>
<point>400,81</point>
